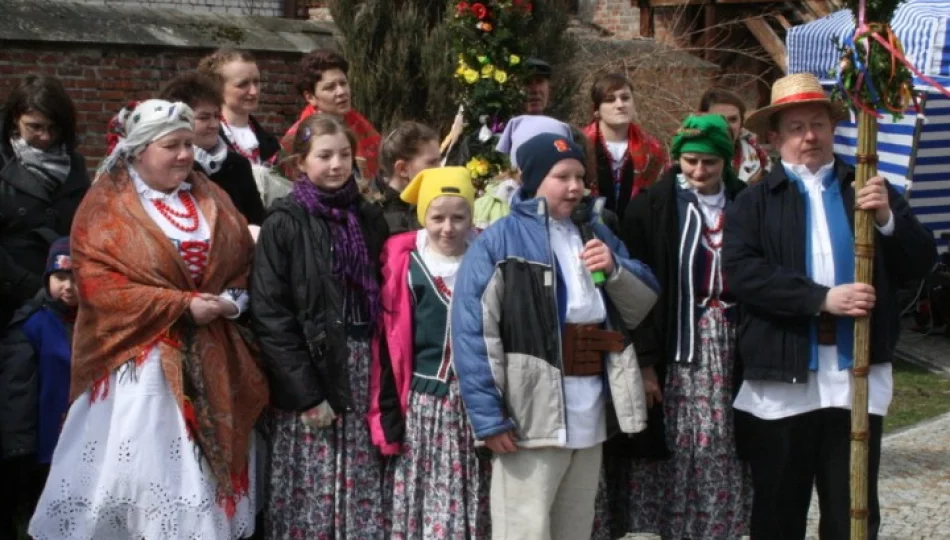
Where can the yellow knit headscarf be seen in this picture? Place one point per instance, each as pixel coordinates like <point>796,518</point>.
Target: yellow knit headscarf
<point>431,184</point>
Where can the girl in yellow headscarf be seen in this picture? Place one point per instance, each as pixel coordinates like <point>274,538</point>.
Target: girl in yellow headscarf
<point>439,486</point>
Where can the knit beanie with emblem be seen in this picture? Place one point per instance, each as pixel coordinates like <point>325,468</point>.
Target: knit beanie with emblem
<point>539,155</point>
<point>58,260</point>
<point>430,184</point>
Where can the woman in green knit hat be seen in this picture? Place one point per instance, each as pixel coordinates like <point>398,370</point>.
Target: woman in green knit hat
<point>681,477</point>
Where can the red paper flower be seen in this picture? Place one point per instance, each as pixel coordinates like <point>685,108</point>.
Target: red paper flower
<point>461,8</point>
<point>480,11</point>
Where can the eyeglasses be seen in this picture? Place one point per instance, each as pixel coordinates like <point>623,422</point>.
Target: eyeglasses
<point>36,128</point>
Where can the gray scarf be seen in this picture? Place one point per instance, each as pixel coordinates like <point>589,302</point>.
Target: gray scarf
<point>51,166</point>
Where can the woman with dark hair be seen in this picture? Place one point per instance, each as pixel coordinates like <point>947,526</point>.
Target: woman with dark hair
<point>225,167</point>
<point>628,158</point>
<point>324,85</point>
<point>42,180</point>
<point>750,161</point>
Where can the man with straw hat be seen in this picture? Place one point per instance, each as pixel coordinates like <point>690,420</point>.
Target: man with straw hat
<point>788,255</point>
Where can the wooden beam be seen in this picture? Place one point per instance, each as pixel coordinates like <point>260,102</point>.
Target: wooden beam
<point>782,20</point>
<point>674,3</point>
<point>820,7</point>
<point>290,9</point>
<point>647,27</point>
<point>709,33</point>
<point>769,40</point>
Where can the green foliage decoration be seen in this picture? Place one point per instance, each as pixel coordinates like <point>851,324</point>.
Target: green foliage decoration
<point>488,42</point>
<point>870,77</point>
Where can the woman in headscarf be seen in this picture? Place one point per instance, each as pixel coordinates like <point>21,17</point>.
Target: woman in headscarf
<point>157,442</point>
<point>685,480</point>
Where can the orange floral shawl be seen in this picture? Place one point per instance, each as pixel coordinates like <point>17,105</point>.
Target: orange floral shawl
<point>134,288</point>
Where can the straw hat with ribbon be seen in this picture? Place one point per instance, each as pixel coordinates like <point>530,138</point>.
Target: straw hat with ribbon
<point>789,91</point>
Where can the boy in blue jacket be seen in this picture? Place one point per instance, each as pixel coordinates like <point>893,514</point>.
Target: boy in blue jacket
<point>541,314</point>
<point>34,385</point>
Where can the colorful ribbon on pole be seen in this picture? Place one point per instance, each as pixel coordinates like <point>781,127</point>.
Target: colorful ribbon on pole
<point>870,83</point>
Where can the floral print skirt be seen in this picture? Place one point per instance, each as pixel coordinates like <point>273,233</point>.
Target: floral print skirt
<point>326,484</point>
<point>440,486</point>
<point>704,490</point>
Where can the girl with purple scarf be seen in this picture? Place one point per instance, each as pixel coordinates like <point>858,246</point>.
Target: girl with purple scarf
<point>315,304</point>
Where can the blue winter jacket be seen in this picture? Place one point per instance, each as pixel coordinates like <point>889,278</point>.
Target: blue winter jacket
<point>35,357</point>
<point>508,311</point>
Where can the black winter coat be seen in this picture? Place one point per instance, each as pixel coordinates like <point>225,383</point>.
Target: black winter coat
<point>651,232</point>
<point>764,262</point>
<point>237,180</point>
<point>297,306</point>
<point>19,385</point>
<point>30,220</point>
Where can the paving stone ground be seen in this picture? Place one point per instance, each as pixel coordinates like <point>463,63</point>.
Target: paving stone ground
<point>914,481</point>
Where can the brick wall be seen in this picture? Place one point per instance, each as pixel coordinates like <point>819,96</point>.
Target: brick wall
<point>619,17</point>
<point>101,80</point>
<point>268,8</point>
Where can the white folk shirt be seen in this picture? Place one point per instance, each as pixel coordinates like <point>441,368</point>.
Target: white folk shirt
<point>238,297</point>
<point>244,138</point>
<point>829,386</point>
<point>583,396</point>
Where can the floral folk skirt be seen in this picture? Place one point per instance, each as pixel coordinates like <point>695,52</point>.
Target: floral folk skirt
<point>440,486</point>
<point>703,491</point>
<point>326,484</point>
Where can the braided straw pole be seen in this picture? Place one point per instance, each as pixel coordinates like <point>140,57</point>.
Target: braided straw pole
<point>864,273</point>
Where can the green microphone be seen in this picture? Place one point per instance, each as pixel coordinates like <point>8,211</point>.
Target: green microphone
<point>583,217</point>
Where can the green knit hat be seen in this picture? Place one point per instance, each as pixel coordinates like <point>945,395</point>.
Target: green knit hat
<point>704,134</point>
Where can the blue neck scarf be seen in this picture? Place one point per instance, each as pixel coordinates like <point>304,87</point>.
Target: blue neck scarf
<point>842,248</point>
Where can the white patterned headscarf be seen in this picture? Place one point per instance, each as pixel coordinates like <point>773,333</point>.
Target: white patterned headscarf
<point>135,128</point>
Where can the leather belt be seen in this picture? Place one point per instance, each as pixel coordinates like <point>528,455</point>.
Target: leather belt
<point>584,346</point>
<point>827,329</point>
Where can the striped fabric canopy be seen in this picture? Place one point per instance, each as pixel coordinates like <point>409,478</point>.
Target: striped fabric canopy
<point>923,27</point>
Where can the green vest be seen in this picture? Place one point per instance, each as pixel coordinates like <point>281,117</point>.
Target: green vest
<point>432,364</point>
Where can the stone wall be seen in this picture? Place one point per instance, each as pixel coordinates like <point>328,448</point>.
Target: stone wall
<point>266,8</point>
<point>101,80</point>
<point>109,56</point>
<point>620,17</point>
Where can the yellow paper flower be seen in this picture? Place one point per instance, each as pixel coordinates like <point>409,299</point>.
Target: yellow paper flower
<point>501,76</point>
<point>470,75</point>
<point>483,60</point>
<point>478,166</point>
<point>488,71</point>
<point>514,60</point>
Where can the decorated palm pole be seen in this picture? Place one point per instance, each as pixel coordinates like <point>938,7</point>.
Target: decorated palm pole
<point>873,78</point>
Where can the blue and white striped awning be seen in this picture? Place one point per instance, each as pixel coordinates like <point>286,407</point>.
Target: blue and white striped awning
<point>923,27</point>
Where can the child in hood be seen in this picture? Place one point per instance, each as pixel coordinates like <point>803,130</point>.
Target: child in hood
<point>34,382</point>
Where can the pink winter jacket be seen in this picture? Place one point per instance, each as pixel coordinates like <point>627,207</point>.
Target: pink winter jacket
<point>391,370</point>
